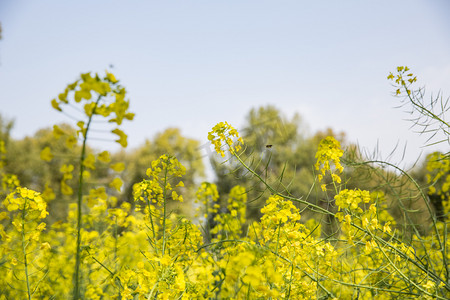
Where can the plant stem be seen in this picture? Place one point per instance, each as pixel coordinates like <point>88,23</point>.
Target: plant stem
<point>164,212</point>
<point>24,250</point>
<point>274,192</point>
<point>76,287</point>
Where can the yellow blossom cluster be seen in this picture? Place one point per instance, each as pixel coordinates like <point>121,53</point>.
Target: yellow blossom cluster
<point>229,225</point>
<point>350,199</point>
<point>207,195</point>
<point>23,251</point>
<point>329,150</point>
<point>10,182</point>
<point>222,134</point>
<point>403,79</point>
<point>115,110</point>
<point>162,171</point>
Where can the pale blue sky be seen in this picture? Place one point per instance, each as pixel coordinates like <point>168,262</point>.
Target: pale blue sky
<point>191,64</point>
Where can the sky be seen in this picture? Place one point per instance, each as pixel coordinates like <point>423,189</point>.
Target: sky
<point>192,64</point>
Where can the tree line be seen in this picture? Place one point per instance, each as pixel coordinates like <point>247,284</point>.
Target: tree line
<point>279,148</point>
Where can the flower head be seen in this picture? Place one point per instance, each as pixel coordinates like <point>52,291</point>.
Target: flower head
<point>223,133</point>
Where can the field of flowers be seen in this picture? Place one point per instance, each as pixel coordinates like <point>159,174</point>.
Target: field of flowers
<point>143,250</point>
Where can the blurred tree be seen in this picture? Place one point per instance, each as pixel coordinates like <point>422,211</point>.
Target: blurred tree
<point>278,149</point>
<point>23,158</point>
<point>6,125</point>
<point>170,142</point>
<point>5,179</point>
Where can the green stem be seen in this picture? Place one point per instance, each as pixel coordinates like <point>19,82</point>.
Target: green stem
<point>150,217</point>
<point>24,250</point>
<point>164,212</point>
<point>274,192</point>
<point>116,247</point>
<point>152,242</point>
<point>425,199</point>
<point>76,288</point>
<point>278,238</point>
<point>117,279</point>
<point>406,278</point>
<point>422,108</point>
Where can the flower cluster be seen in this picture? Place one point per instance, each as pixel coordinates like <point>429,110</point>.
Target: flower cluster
<point>22,250</point>
<point>115,110</point>
<point>229,225</point>
<point>223,133</point>
<point>158,187</point>
<point>329,150</point>
<point>350,199</point>
<point>207,195</point>
<point>279,211</point>
<point>27,201</point>
<point>10,182</point>
<point>403,79</point>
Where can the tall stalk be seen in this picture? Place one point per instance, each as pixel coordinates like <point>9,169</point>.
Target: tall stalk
<point>90,95</point>
<point>24,251</point>
<point>76,279</point>
<point>164,212</point>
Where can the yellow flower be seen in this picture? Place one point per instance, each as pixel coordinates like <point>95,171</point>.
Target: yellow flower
<point>180,184</point>
<point>67,169</point>
<point>55,105</point>
<point>65,189</point>
<point>45,246</point>
<point>118,167</point>
<point>368,247</point>
<point>111,77</point>
<point>336,178</point>
<point>253,275</point>
<point>386,227</point>
<point>116,184</point>
<point>58,132</point>
<point>165,260</point>
<point>122,137</point>
<point>86,174</point>
<point>223,134</point>
<point>46,154</point>
<point>71,141</point>
<point>89,162</point>
<point>104,157</point>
